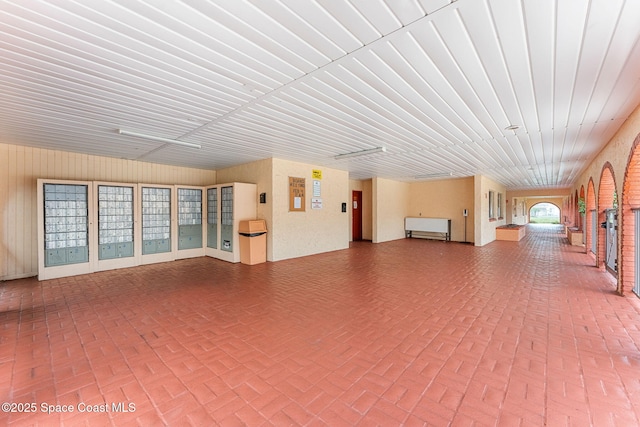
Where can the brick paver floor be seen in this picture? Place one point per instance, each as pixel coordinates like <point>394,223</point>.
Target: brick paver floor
<point>409,332</point>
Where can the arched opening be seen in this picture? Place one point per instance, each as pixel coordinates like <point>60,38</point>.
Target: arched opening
<point>607,256</point>
<point>568,205</point>
<point>576,214</point>
<point>581,211</point>
<point>544,213</point>
<point>630,219</point>
<point>591,219</point>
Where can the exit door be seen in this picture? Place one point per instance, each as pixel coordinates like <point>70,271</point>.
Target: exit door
<point>356,208</point>
<point>611,240</point>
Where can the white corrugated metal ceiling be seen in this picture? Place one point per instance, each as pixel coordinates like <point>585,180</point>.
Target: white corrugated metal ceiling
<point>435,82</point>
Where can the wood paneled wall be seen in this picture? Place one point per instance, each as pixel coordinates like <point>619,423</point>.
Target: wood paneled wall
<point>20,167</point>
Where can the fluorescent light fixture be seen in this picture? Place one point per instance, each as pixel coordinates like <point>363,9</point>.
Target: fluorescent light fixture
<point>159,139</point>
<point>361,153</point>
<point>434,175</point>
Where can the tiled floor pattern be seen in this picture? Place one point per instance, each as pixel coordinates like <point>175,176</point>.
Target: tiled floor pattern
<point>410,332</point>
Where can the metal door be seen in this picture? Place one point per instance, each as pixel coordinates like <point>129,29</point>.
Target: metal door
<point>611,240</point>
<point>356,223</point>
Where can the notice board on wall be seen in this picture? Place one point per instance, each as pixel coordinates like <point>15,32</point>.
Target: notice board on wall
<point>296,194</point>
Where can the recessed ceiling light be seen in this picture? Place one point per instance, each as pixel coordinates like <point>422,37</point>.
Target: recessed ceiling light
<point>512,127</point>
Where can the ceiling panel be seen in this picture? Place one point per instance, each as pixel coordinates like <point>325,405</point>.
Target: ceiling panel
<point>435,82</point>
<point>540,41</point>
<point>508,17</point>
<point>431,6</point>
<point>601,21</point>
<point>379,15</point>
<point>437,89</point>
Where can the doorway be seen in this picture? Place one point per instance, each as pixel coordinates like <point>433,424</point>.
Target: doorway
<point>594,231</point>
<point>544,213</point>
<point>356,209</point>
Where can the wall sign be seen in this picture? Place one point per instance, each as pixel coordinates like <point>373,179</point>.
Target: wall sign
<point>316,203</point>
<point>296,194</point>
<point>316,174</point>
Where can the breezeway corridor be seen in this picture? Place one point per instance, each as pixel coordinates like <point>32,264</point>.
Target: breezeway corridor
<point>408,332</point>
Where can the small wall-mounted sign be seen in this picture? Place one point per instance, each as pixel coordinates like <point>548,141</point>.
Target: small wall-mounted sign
<point>316,174</point>
<point>316,203</point>
<point>316,188</point>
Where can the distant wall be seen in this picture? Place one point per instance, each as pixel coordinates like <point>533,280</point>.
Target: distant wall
<point>390,207</point>
<point>485,227</point>
<point>445,199</point>
<point>314,231</point>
